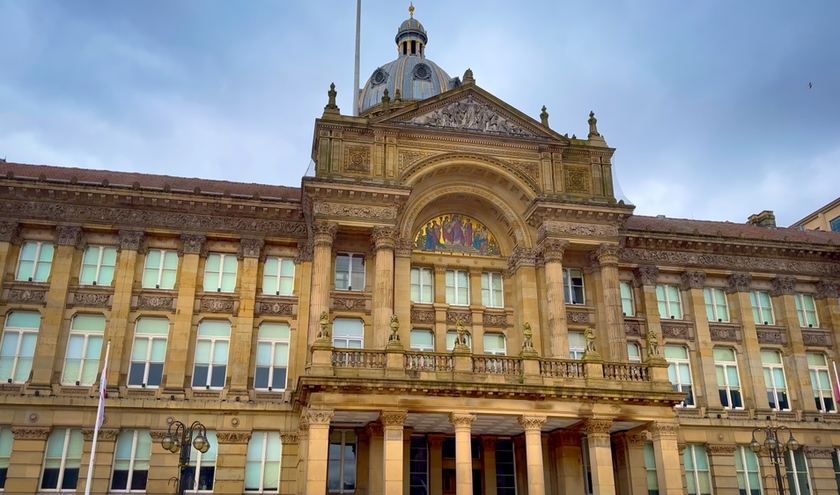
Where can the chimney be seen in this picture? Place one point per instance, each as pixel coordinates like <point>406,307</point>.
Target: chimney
<point>764,219</point>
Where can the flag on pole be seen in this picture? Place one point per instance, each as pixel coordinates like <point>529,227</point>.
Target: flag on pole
<point>836,385</point>
<point>100,417</point>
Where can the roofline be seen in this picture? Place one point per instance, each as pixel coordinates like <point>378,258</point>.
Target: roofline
<point>815,214</point>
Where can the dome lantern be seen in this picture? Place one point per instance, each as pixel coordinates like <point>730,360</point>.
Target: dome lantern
<point>411,36</point>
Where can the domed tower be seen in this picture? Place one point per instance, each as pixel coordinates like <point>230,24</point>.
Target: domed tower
<point>411,76</point>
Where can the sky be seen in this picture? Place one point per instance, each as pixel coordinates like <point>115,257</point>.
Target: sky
<point>707,103</point>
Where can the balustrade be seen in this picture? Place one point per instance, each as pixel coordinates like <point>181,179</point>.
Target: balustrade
<point>562,368</point>
<point>497,365</point>
<point>627,372</point>
<point>428,361</point>
<point>358,358</point>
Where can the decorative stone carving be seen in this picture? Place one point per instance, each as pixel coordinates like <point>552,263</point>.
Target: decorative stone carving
<point>374,429</point>
<point>607,254</point>
<point>91,299</point>
<point>357,159</point>
<point>132,239</point>
<point>692,280</point>
<point>632,328</point>
<point>818,452</point>
<point>461,420</point>
<point>594,427</point>
<point>304,251</point>
<point>303,430</point>
<point>726,450</point>
<point>274,308</point>
<point>531,423</point>
<point>9,230</point>
<point>192,244</point>
<point>384,238</point>
<point>577,316</point>
<point>521,256</point>
<point>816,338</point>
<point>663,430</point>
<point>577,180</point>
<point>527,342</point>
<point>249,248</point>
<point>27,296</point>
<point>318,417</point>
<point>68,235</point>
<point>563,229</point>
<point>289,437</point>
<point>552,250</point>
<point>471,115</point>
<point>454,316</point>
<point>532,169</point>
<point>436,441</point>
<point>422,316</point>
<point>652,344</point>
<point>392,419</point>
<point>105,435</point>
<point>233,436</point>
<point>723,334</point>
<point>637,441</point>
<point>407,158</point>
<point>395,329</point>
<point>30,433</point>
<point>645,275</point>
<point>488,443</point>
<point>738,282</point>
<point>155,302</point>
<point>356,210</point>
<point>157,435</point>
<point>217,305</point>
<point>491,320</point>
<point>783,285</point>
<point>827,288</point>
<point>349,304</point>
<point>403,247</point>
<point>675,330</point>
<point>769,336</point>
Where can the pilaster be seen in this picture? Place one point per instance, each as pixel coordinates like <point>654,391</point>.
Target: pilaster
<point>106,443</point>
<point>600,456</point>
<point>230,462</point>
<point>9,230</point>
<point>116,332</point>
<point>569,456</point>
<point>796,366</point>
<point>318,450</point>
<point>645,277</point>
<point>740,310</point>
<point>821,469</point>
<point>24,473</point>
<point>669,463</point>
<point>435,463</point>
<point>692,285</point>
<point>384,241</point>
<point>522,268</point>
<point>477,326</point>
<point>488,453</point>
<point>723,473</point>
<point>376,459</point>
<point>392,424</point>
<point>402,281</point>
<point>323,235</point>
<point>288,462</point>
<point>239,358</point>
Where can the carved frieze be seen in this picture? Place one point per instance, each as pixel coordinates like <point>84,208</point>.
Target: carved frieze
<point>564,229</point>
<point>816,338</point>
<point>491,320</point>
<point>818,452</point>
<point>67,235</point>
<point>91,299</point>
<point>9,230</point>
<point>422,316</point>
<point>250,248</point>
<point>577,316</point>
<point>531,169</point>
<point>304,251</point>
<point>578,180</point>
<point>289,437</point>
<point>105,434</point>
<point>827,288</point>
<point>632,328</point>
<point>738,282</point>
<point>454,316</point>
<point>319,417</point>
<point>471,115</point>
<point>155,302</point>
<point>349,303</point>
<point>771,336</point>
<point>356,210</point>
<point>357,159</point>
<point>727,450</point>
<point>274,308</point>
<point>672,330</point>
<point>233,436</point>
<point>521,256</point>
<point>645,275</point>
<point>192,244</point>
<point>783,285</point>
<point>27,296</point>
<point>724,333</point>
<point>407,158</point>
<point>30,433</point>
<point>217,305</point>
<point>131,239</point>
<point>692,280</point>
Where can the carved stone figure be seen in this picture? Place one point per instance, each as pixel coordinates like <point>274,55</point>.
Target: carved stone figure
<point>527,335</point>
<point>589,335</point>
<point>469,114</point>
<point>652,344</point>
<point>324,323</point>
<point>395,329</point>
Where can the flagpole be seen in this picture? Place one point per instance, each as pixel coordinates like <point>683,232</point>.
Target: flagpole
<point>836,387</point>
<point>100,416</point>
<point>358,50</point>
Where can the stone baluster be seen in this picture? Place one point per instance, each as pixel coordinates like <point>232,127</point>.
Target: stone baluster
<point>384,243</point>
<point>323,235</point>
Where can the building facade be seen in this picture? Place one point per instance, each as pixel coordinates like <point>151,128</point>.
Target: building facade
<point>455,302</point>
<point>826,218</point>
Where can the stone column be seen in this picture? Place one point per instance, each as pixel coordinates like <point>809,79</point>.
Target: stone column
<point>318,450</point>
<point>477,327</point>
<point>692,284</point>
<point>362,459</point>
<point>645,277</point>
<point>821,469</point>
<point>568,453</point>
<point>239,359</point>
<point>558,334</point>
<point>9,230</point>
<point>488,453</point>
<point>288,462</point>
<point>463,455</point>
<point>130,243</point>
<point>178,346</point>
<point>303,453</point>
<point>230,462</point>
<point>436,463</point>
<point>52,321</point>
<point>722,468</point>
<point>323,235</point>
<point>24,473</point>
<point>600,456</point>
<point>392,467</point>
<point>607,255</point>
<point>796,366</point>
<point>384,242</point>
<point>522,267</point>
<point>106,444</point>
<point>533,452</point>
<point>631,472</point>
<point>402,287</point>
<point>376,459</point>
<point>669,463</point>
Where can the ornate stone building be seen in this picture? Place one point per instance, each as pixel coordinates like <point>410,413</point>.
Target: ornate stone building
<point>454,303</point>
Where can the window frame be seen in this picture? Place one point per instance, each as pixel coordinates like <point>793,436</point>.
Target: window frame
<point>774,389</point>
<point>196,459</point>
<point>821,394</point>
<point>6,438</point>
<point>273,342</point>
<point>627,303</point>
<point>211,366</point>
<point>266,436</point>
<point>350,273</point>
<point>727,390</point>
<point>420,286</point>
<point>743,476</point>
<point>62,461</point>
<point>456,289</point>
<point>98,272</point>
<point>713,307</point>
<point>276,290</point>
<point>569,287</point>
<point>576,352</point>
<point>132,460</point>
<point>758,309</point>
<point>695,471</point>
<point>342,461</point>
<point>160,269</point>
<point>630,357</point>
<point>496,351</point>
<point>668,291</point>
<point>150,337</point>
<point>86,335</point>
<point>20,332</point>
<point>421,347</point>
<point>348,337</point>
<point>489,293</point>
<point>36,262</point>
<point>803,312</point>
<point>679,386</point>
<point>220,275</point>
<point>797,460</point>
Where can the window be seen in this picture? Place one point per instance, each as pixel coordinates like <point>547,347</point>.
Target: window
<point>348,333</point>
<point>211,354</point>
<point>131,461</point>
<point>774,380</point>
<point>201,471</point>
<point>820,381</point>
<point>505,469</point>
<point>573,286</point>
<point>422,285</point>
<point>6,439</point>
<point>797,472</point>
<point>835,461</point>
<point>160,270</point>
<point>494,343</point>
<point>220,273</point>
<point>279,276</point>
<point>418,466</point>
<point>834,225</point>
<point>679,372</point>
<point>262,464</point>
<point>729,386</point>
<point>422,340</point>
<point>63,460</point>
<point>577,345</point>
<point>83,350</point>
<point>668,300</point>
<point>492,290</point>
<point>762,308</point>
<point>634,352</point>
<point>17,348</point>
<point>716,307</point>
<point>98,265</point>
<point>341,467</point>
<point>457,287</point>
<point>148,353</point>
<point>628,306</point>
<point>749,475</point>
<point>806,310</point>
<point>349,271</point>
<point>586,464</point>
<point>450,340</point>
<point>650,470</point>
<point>35,261</point>
<point>697,473</point>
<point>272,356</point>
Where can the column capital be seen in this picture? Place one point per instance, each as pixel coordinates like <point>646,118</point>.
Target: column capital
<point>68,235</point>
<point>637,440</point>
<point>320,417</point>
<point>597,427</point>
<point>488,442</point>
<point>9,230</point>
<point>714,449</point>
<point>106,435</point>
<point>552,249</point>
<point>233,436</point>
<point>440,269</point>
<point>607,254</point>
<point>289,437</point>
<point>31,432</point>
<point>461,420</point>
<point>531,422</point>
<point>404,247</point>
<point>818,452</point>
<point>392,419</point>
<point>663,430</point>
<point>436,440</point>
<point>304,251</point>
<point>323,233</point>
<point>783,285</point>
<point>827,288</point>
<point>374,429</point>
<point>384,238</point>
<point>521,256</point>
<point>249,248</point>
<point>193,244</point>
<point>738,282</point>
<point>132,240</point>
<point>692,280</point>
<point>303,429</point>
<point>645,275</point>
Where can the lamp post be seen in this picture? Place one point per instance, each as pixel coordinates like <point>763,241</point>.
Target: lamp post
<point>180,438</point>
<point>776,447</point>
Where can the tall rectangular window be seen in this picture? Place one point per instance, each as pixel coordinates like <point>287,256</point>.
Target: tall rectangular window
<point>628,305</point>
<point>63,460</point>
<point>350,271</point>
<point>422,340</point>
<point>748,472</point>
<point>697,474</point>
<point>494,343</point>
<point>148,353</point>
<point>272,356</point>
<point>201,471</point>
<point>650,470</point>
<point>84,348</point>
<point>17,349</point>
<point>774,380</point>
<point>762,308</point>
<point>492,290</point>
<point>211,354</point>
<point>668,301</point>
<point>6,439</point>
<point>821,381</point>
<point>422,285</point>
<point>796,468</point>
<point>806,310</point>
<point>418,466</point>
<point>348,333</point>
<point>634,352</point>
<point>35,261</point>
<point>573,286</point>
<point>586,464</point>
<point>679,372</point>
<point>262,463</point>
<point>98,265</point>
<point>131,461</point>
<point>341,466</point>
<point>505,469</point>
<point>160,269</point>
<point>577,345</point>
<point>457,287</point>
<point>220,273</point>
<point>729,385</point>
<point>716,306</point>
<point>279,276</point>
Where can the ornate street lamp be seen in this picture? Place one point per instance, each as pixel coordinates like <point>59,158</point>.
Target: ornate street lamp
<point>181,439</point>
<point>776,447</point>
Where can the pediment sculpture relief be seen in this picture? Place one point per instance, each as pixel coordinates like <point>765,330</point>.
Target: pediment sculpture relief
<point>473,115</point>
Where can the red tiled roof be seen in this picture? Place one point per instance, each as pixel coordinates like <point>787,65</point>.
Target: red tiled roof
<point>148,181</point>
<point>730,229</point>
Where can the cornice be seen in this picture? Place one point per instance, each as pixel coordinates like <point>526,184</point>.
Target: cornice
<point>703,243</point>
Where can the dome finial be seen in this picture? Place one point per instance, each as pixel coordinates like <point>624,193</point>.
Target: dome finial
<point>411,10</point>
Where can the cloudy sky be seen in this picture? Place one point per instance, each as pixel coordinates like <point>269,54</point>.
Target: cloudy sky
<point>707,102</point>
